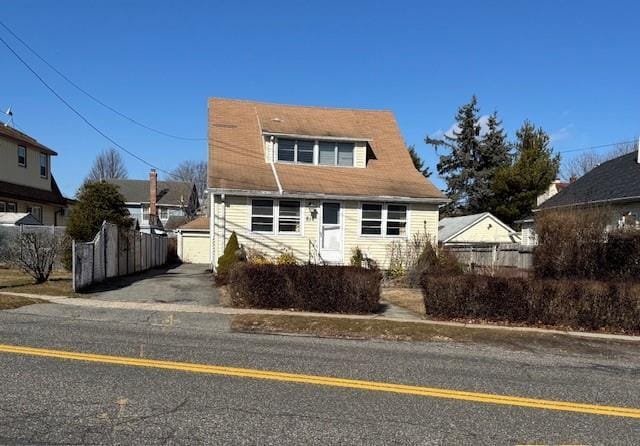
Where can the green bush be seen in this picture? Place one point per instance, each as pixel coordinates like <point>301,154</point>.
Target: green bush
<point>227,260</point>
<point>328,289</point>
<point>576,304</point>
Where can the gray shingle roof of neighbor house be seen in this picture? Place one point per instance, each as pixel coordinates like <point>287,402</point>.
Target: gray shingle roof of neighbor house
<point>450,226</point>
<point>169,192</point>
<point>614,180</point>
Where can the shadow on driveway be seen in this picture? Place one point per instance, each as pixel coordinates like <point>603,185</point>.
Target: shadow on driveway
<point>189,284</point>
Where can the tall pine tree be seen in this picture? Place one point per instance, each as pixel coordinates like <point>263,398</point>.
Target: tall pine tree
<point>418,162</point>
<point>492,154</point>
<point>535,166</point>
<point>459,165</point>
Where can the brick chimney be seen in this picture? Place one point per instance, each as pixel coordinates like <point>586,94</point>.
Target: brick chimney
<point>153,195</point>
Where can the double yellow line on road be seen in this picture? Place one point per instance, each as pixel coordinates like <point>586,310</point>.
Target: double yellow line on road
<point>486,398</point>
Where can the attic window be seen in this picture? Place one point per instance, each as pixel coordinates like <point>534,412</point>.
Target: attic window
<point>324,153</point>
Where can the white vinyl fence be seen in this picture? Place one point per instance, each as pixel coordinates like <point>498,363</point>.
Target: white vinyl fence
<point>510,255</point>
<point>116,252</point>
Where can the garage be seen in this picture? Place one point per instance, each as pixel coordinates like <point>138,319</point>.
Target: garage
<point>193,241</point>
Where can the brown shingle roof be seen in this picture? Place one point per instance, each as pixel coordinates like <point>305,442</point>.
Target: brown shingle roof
<point>28,193</point>
<point>200,223</point>
<point>236,152</point>
<point>18,136</point>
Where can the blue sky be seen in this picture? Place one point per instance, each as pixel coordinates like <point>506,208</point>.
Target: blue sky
<point>571,67</point>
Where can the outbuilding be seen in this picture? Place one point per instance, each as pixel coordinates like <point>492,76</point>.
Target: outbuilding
<point>194,241</point>
<point>475,229</point>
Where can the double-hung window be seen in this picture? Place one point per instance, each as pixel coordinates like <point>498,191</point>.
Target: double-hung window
<point>384,219</point>
<point>289,216</point>
<point>396,220</point>
<point>371,219</point>
<point>22,156</point>
<point>44,165</point>
<point>262,216</point>
<point>283,216</point>
<point>12,206</point>
<point>296,151</point>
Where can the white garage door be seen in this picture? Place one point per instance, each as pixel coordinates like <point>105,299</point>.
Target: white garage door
<point>195,248</point>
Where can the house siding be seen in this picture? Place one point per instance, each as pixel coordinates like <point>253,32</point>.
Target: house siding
<point>480,232</point>
<point>48,210</point>
<point>25,176</point>
<point>422,218</point>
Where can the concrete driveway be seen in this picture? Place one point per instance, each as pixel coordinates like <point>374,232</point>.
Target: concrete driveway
<point>188,284</point>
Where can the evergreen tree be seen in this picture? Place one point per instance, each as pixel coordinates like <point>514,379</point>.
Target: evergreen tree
<point>458,167</point>
<point>418,162</point>
<point>516,187</point>
<point>493,154</point>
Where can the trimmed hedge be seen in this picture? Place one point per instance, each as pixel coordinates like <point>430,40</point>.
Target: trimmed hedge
<point>328,289</point>
<point>578,304</point>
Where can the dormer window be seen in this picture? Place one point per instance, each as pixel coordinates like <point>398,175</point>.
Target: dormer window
<point>324,153</point>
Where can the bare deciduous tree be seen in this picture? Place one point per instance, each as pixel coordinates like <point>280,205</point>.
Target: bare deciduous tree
<point>35,253</point>
<point>583,163</point>
<point>193,172</point>
<point>108,164</point>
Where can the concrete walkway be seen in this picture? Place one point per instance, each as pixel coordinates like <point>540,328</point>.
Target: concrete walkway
<point>185,284</point>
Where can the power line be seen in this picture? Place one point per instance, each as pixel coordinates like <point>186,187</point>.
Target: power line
<point>95,99</point>
<point>86,121</point>
<point>584,149</point>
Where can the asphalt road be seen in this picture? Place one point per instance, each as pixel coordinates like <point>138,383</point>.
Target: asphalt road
<point>62,401</point>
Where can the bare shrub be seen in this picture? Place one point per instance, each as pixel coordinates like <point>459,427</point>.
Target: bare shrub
<point>404,254</point>
<point>571,242</point>
<point>35,253</point>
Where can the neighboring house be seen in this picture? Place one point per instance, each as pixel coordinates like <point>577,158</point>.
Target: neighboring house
<point>614,184</point>
<point>476,229</point>
<point>17,219</point>
<point>26,182</point>
<point>175,202</point>
<point>555,187</point>
<point>316,181</point>
<point>193,241</point>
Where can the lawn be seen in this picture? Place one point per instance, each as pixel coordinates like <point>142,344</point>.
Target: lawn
<point>409,298</point>
<point>59,284</point>
<point>10,302</point>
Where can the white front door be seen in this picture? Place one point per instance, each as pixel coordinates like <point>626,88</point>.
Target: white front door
<point>331,233</point>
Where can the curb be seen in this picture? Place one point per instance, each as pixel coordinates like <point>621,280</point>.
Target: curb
<point>178,308</point>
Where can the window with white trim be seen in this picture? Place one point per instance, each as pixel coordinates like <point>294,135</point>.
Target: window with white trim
<point>12,206</point>
<point>3,206</point>
<point>388,220</point>
<point>371,219</point>
<point>44,165</point>
<point>22,156</point>
<point>276,216</point>
<point>323,153</point>
<point>261,215</point>
<point>396,220</point>
<point>164,213</point>
<point>289,216</point>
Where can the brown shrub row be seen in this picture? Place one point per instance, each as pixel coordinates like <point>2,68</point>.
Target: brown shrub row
<point>329,289</point>
<point>588,305</point>
<point>576,244</point>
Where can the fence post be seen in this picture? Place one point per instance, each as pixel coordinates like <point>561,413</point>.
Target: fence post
<point>73,266</point>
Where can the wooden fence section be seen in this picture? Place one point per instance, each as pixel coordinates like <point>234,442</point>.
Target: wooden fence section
<point>511,255</point>
<point>116,252</point>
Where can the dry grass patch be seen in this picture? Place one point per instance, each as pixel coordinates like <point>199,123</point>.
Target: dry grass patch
<point>361,329</point>
<point>59,283</point>
<point>8,302</point>
<point>409,298</point>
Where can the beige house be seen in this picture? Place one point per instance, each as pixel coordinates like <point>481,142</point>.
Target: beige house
<point>316,181</point>
<point>26,182</point>
<point>476,229</point>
